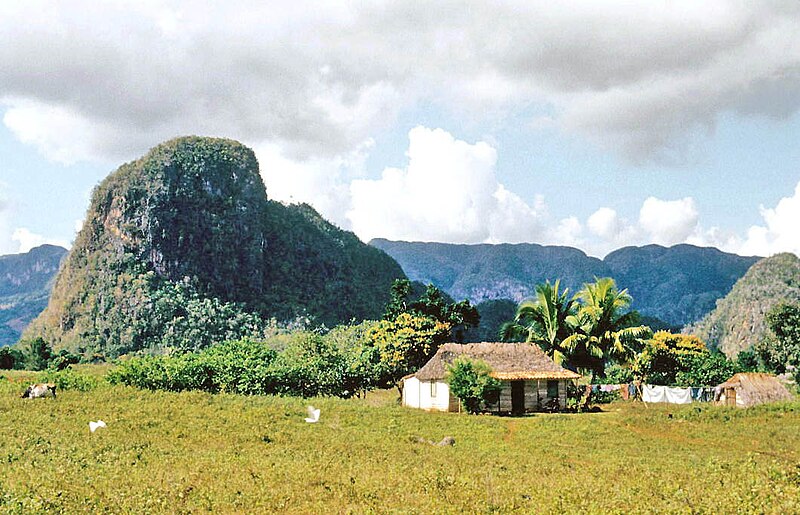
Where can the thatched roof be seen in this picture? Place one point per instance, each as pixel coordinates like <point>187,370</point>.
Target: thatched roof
<point>754,388</point>
<point>509,361</point>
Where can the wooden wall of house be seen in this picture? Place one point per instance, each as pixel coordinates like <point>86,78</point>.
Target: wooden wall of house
<point>535,396</point>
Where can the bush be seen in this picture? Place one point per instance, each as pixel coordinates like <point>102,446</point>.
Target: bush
<point>241,366</point>
<point>172,373</point>
<point>38,353</point>
<point>63,360</point>
<point>309,365</point>
<point>68,379</point>
<point>705,370</point>
<point>617,374</point>
<point>470,381</point>
<point>11,359</point>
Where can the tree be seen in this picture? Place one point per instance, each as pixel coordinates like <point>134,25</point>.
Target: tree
<point>603,330</point>
<point>544,320</point>
<point>38,353</point>
<point>471,382</point>
<point>11,358</point>
<point>781,347</point>
<point>431,304</point>
<point>403,345</point>
<point>412,331</point>
<point>681,360</point>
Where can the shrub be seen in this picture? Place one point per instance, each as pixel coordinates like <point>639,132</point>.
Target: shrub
<point>11,358</point>
<point>68,379</point>
<point>172,373</point>
<point>38,353</point>
<point>240,366</point>
<point>309,365</point>
<point>617,374</point>
<point>470,381</point>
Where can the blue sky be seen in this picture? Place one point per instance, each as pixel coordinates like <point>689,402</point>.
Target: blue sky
<point>597,125</point>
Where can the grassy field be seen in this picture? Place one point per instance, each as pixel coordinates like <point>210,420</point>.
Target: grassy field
<point>196,453</point>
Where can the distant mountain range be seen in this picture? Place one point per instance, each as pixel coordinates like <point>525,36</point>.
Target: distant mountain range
<point>676,285</point>
<point>25,284</point>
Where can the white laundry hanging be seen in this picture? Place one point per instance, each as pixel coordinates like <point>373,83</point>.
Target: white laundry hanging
<point>679,395</point>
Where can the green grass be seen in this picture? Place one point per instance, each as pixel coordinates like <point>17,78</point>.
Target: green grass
<point>196,452</point>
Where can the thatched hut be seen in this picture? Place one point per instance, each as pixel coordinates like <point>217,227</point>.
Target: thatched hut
<point>531,380</point>
<point>748,389</point>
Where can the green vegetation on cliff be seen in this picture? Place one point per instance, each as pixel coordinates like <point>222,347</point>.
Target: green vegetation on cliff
<point>191,221</point>
<point>738,322</point>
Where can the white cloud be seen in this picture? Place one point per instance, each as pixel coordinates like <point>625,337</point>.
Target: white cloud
<point>26,240</point>
<point>610,231</point>
<point>322,182</point>
<point>568,232</point>
<point>781,232</point>
<point>6,245</point>
<point>668,222</point>
<point>605,223</point>
<point>59,134</point>
<point>89,80</point>
<point>448,192</point>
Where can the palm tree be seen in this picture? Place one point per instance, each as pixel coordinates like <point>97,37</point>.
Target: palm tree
<point>603,328</point>
<point>543,320</point>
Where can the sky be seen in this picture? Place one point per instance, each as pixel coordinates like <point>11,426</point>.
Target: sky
<point>596,124</point>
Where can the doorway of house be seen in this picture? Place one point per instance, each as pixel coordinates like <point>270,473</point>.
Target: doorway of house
<point>517,397</point>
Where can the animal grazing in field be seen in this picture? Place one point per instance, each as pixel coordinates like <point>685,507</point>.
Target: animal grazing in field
<point>94,425</point>
<point>313,415</point>
<point>40,390</point>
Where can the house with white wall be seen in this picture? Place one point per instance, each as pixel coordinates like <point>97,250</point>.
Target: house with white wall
<point>531,380</point>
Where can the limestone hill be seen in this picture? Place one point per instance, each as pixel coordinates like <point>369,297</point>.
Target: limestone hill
<point>192,218</point>
<point>738,320</point>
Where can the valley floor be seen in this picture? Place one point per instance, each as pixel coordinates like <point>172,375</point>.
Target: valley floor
<point>195,452</point>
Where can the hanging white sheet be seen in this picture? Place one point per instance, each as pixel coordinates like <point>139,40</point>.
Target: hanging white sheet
<point>679,395</point>
<point>652,393</point>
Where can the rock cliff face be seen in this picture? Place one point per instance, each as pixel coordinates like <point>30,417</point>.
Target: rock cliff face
<point>195,211</point>
<point>25,283</point>
<point>737,322</point>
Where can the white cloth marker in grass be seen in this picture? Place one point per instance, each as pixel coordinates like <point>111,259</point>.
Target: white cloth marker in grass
<point>313,415</point>
<point>94,425</point>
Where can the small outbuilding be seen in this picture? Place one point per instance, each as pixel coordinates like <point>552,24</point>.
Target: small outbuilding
<point>748,389</point>
<point>531,380</point>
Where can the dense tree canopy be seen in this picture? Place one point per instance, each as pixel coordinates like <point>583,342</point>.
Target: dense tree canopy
<point>413,330</point>
<point>585,332</point>
<point>780,347</point>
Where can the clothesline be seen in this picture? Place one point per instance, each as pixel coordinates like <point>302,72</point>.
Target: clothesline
<point>658,393</point>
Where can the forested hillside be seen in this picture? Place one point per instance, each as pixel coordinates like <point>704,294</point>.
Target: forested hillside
<point>487,272</point>
<point>738,321</point>
<point>25,282</point>
<point>183,245</point>
<point>677,285</point>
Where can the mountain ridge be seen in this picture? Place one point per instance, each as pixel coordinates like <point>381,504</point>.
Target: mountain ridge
<point>25,283</point>
<point>738,320</point>
<point>677,284</point>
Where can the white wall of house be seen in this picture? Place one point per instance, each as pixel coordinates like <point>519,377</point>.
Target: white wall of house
<point>429,395</point>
